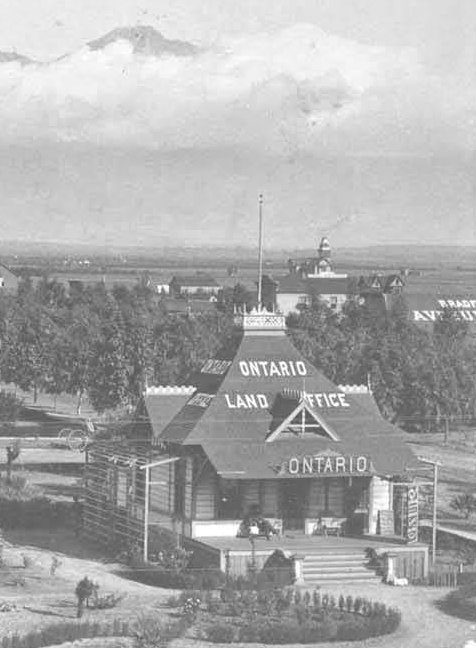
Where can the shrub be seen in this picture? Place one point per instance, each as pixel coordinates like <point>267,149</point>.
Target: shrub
<point>61,633</point>
<point>105,602</point>
<point>465,503</point>
<point>21,507</point>
<point>302,613</point>
<point>220,633</point>
<point>283,632</point>
<point>277,571</point>
<point>85,589</point>
<point>191,607</point>
<point>353,628</point>
<point>251,632</point>
<point>250,615</point>
<point>316,599</point>
<point>10,407</point>
<point>150,632</point>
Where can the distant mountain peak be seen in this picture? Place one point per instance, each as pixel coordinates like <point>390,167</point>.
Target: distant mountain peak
<point>145,40</point>
<point>13,57</point>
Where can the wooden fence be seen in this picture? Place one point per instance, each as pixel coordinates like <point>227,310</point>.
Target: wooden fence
<point>444,575</point>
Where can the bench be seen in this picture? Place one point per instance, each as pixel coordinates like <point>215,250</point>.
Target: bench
<point>326,526</point>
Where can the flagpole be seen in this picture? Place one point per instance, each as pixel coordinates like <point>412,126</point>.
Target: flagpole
<point>260,251</point>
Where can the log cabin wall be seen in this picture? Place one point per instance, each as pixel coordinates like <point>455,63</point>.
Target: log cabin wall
<point>205,492</point>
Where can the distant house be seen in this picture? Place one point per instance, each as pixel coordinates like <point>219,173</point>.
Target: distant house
<point>8,280</point>
<point>181,285</point>
<point>189,307</point>
<point>379,291</point>
<point>391,284</point>
<point>293,292</point>
<point>308,279</point>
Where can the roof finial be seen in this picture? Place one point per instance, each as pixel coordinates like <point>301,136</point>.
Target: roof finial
<point>260,253</point>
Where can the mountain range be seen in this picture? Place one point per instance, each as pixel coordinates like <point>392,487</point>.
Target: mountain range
<point>13,57</point>
<point>145,40</point>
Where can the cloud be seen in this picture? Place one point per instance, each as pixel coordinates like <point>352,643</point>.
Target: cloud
<point>295,90</point>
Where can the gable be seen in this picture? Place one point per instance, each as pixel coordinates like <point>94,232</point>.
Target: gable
<point>302,421</point>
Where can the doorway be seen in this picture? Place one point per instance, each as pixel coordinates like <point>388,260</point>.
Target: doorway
<point>294,496</point>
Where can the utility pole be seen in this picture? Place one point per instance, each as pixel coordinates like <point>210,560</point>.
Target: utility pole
<point>260,252</point>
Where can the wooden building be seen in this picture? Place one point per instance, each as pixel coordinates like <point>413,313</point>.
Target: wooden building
<point>258,432</point>
<point>8,280</point>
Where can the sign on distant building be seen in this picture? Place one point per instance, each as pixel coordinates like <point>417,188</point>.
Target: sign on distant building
<point>462,309</point>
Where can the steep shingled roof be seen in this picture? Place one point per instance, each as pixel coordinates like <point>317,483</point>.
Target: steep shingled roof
<point>233,411</point>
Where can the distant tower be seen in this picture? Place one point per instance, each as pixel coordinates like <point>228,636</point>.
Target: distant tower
<point>324,256</point>
<point>324,250</point>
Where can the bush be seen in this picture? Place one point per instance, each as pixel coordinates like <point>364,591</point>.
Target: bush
<point>85,589</point>
<point>10,407</point>
<point>277,571</point>
<point>465,503</point>
<point>21,507</point>
<point>221,633</point>
<point>57,634</point>
<point>150,632</point>
<point>106,601</point>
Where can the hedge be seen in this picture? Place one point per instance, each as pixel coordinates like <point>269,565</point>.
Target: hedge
<point>38,512</point>
<point>57,634</point>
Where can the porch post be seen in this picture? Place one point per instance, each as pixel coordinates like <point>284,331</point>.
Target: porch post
<point>146,515</point>
<point>435,487</point>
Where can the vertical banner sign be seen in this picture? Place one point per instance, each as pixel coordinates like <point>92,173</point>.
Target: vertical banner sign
<point>412,514</point>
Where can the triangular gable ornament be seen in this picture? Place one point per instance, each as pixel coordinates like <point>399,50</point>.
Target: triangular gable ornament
<point>302,407</point>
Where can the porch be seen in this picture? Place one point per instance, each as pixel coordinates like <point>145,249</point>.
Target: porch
<point>321,558</point>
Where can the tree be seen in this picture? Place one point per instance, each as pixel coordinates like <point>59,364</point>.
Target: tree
<point>108,376</point>
<point>85,588</point>
<point>10,407</point>
<point>464,503</point>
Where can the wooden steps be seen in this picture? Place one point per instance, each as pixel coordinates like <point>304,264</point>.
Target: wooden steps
<point>337,566</point>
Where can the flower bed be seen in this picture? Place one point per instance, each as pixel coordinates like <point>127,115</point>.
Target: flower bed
<point>287,616</point>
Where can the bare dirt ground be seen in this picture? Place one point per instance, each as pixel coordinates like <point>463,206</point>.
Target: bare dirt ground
<point>46,599</point>
<point>42,599</point>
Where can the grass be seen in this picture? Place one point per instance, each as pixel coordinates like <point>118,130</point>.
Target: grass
<point>460,603</point>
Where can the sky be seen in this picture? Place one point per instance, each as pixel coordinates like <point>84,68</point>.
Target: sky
<point>355,118</point>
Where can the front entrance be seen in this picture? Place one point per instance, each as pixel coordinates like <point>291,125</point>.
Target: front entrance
<point>293,496</point>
